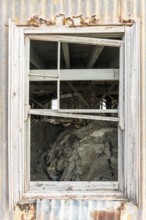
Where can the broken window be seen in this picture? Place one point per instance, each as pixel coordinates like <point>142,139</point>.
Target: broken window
<point>73,98</point>
<point>48,92</point>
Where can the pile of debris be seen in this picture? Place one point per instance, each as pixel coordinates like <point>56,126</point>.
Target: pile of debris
<point>76,153</point>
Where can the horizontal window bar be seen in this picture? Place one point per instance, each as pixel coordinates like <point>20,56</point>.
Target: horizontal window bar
<point>36,186</point>
<point>78,40</point>
<point>55,113</point>
<point>75,74</point>
<point>89,111</point>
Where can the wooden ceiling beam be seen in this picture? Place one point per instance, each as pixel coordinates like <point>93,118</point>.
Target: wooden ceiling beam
<point>93,56</point>
<point>65,48</point>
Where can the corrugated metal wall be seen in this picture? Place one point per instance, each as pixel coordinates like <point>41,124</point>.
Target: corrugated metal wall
<point>108,11</point>
<point>77,210</point>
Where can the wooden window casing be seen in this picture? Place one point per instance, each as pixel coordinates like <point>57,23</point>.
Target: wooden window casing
<point>20,186</point>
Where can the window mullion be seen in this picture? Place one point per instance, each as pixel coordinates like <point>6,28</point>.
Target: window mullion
<point>58,74</point>
<point>121,88</point>
<point>121,120</point>
<point>54,113</point>
<point>27,118</point>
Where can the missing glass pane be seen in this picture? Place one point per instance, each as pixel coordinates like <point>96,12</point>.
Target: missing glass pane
<point>43,95</point>
<point>86,56</point>
<point>66,149</point>
<point>43,54</point>
<point>89,95</point>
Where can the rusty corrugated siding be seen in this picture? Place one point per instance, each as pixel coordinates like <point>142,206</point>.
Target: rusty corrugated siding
<point>77,210</point>
<point>108,11</point>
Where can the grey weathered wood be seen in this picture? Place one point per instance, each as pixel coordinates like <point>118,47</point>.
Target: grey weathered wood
<point>35,59</point>
<point>65,48</point>
<point>93,111</point>
<point>106,30</point>
<point>93,56</point>
<point>53,113</point>
<point>128,142</point>
<point>75,74</point>
<point>114,195</point>
<point>10,119</point>
<point>121,120</point>
<point>22,113</point>
<point>132,114</point>
<point>65,185</point>
<point>44,73</point>
<point>78,40</point>
<point>41,78</point>
<point>58,75</point>
<point>121,88</point>
<point>131,146</point>
<point>15,115</point>
<point>26,116</point>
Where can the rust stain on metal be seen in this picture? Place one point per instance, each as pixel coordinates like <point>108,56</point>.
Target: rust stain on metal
<point>127,21</point>
<point>60,19</point>
<point>25,211</point>
<point>108,214</point>
<point>102,215</point>
<point>74,21</point>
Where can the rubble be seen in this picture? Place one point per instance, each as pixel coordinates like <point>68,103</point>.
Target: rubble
<point>86,152</point>
<point>43,134</point>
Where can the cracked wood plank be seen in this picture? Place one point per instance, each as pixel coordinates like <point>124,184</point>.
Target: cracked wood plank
<point>46,112</point>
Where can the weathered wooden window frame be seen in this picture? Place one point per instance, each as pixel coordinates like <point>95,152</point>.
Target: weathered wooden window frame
<point>20,187</point>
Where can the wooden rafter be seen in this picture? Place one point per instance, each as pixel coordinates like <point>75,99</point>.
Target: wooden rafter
<point>93,56</point>
<point>65,48</point>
